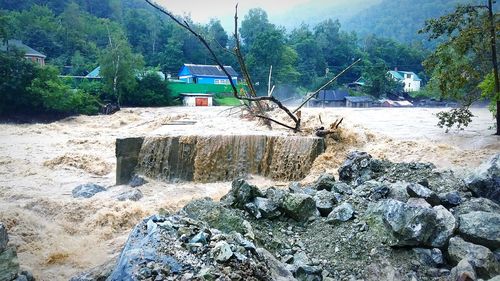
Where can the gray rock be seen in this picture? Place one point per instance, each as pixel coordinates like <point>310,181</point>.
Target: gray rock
<point>277,269</point>
<point>356,168</point>
<point>341,213</point>
<point>99,273</point>
<point>372,189</point>
<point>477,204</point>
<point>87,190</point>
<point>463,271</point>
<point>445,225</point>
<point>267,207</point>
<point>9,265</point>
<point>132,195</point>
<point>241,193</point>
<point>4,237</point>
<point>324,182</point>
<point>420,191</point>
<point>496,278</point>
<point>253,210</point>
<point>276,195</point>
<point>450,199</point>
<point>485,182</point>
<point>481,257</point>
<point>137,181</point>
<point>429,257</point>
<point>295,187</point>
<point>299,206</point>
<point>481,228</point>
<point>398,192</point>
<point>222,251</point>
<point>324,202</point>
<point>418,202</point>
<point>342,188</point>
<point>402,224</point>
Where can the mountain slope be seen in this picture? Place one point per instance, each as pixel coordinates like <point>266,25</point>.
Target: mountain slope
<point>400,20</point>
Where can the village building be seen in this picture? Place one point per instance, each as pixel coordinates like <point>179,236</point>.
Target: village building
<point>359,101</point>
<point>197,99</point>
<point>329,98</point>
<point>207,74</point>
<point>410,80</point>
<point>395,103</point>
<point>29,53</point>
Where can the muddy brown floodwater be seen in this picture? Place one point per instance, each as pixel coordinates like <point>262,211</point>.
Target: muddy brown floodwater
<point>58,236</point>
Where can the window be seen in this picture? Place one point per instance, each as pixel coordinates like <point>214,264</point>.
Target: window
<point>221,81</point>
<point>408,75</point>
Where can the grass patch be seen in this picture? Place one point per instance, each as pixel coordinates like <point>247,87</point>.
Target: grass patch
<point>227,101</point>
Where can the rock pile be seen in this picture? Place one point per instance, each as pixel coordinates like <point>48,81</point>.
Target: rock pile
<point>381,221</point>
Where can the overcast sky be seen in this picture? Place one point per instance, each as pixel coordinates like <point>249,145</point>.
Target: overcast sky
<point>281,12</point>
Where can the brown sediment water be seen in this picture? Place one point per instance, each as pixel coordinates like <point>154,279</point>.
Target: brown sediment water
<point>58,236</point>
<point>226,157</point>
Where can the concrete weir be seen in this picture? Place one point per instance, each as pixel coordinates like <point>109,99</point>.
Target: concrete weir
<point>216,158</point>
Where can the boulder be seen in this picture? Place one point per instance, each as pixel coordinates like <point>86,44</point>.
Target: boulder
<point>372,190</point>
<point>418,202</point>
<point>464,271</point>
<point>485,182</point>
<point>299,206</point>
<point>240,194</point>
<point>266,207</point>
<point>342,188</point>
<point>341,213</point>
<point>429,257</point>
<point>4,237</point>
<point>87,190</point>
<point>445,225</point>
<point>9,265</point>
<point>222,251</point>
<point>477,204</point>
<point>406,225</point>
<point>398,191</point>
<point>276,195</point>
<point>450,199</point>
<point>420,191</point>
<point>325,181</point>
<point>324,202</point>
<point>132,195</point>
<point>481,228</point>
<point>356,168</point>
<point>481,257</point>
<point>137,181</point>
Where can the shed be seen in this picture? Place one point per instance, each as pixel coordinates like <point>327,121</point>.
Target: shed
<point>207,74</point>
<point>359,101</point>
<point>329,98</point>
<point>197,99</point>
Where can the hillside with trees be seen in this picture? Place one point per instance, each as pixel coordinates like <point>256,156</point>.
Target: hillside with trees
<point>400,20</point>
<point>129,39</point>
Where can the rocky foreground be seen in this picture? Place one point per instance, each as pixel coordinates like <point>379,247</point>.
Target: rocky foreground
<point>379,221</point>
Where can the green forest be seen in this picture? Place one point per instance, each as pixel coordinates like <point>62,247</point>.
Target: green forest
<point>78,36</point>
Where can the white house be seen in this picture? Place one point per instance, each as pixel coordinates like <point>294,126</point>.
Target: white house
<point>197,99</point>
<point>410,80</point>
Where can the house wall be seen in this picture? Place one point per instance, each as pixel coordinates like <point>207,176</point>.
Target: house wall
<point>39,60</point>
<point>358,104</point>
<point>191,100</point>
<point>411,85</point>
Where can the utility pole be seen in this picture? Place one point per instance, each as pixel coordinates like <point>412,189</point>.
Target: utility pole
<point>494,61</point>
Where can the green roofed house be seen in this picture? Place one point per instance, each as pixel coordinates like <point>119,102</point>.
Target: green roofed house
<point>29,53</point>
<point>410,80</point>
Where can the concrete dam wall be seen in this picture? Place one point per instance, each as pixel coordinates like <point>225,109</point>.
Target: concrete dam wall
<point>216,158</point>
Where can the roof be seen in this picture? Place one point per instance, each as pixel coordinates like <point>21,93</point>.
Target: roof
<point>401,74</point>
<point>210,70</point>
<point>332,95</point>
<point>196,95</point>
<point>94,73</point>
<point>359,99</point>
<point>28,51</point>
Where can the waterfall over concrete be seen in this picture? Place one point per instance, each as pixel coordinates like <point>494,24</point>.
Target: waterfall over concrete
<point>226,157</point>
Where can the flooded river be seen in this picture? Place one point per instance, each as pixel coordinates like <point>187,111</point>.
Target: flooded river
<point>57,235</point>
